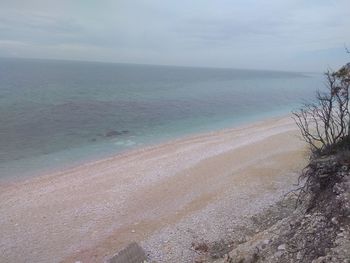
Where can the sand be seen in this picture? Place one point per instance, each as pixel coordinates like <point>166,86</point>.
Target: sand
<point>163,197</point>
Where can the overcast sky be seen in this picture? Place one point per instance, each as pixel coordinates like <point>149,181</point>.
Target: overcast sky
<point>302,35</point>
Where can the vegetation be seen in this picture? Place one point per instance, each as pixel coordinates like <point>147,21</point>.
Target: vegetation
<point>325,123</point>
<point>325,126</point>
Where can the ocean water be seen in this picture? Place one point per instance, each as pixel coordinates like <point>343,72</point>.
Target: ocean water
<point>55,114</point>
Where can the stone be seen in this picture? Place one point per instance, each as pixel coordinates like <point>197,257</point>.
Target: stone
<point>114,133</point>
<point>334,221</point>
<point>323,175</point>
<point>200,259</point>
<point>266,241</point>
<point>282,247</point>
<point>278,254</point>
<point>133,253</point>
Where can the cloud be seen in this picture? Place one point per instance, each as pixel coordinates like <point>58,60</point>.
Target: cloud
<point>38,28</point>
<point>223,33</point>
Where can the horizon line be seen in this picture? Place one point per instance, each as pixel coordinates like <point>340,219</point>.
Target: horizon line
<point>161,65</point>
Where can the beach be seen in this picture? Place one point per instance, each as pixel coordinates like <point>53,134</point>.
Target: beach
<point>164,196</point>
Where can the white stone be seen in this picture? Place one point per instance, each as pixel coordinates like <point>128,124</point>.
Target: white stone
<point>334,221</point>
<point>266,241</point>
<point>282,247</point>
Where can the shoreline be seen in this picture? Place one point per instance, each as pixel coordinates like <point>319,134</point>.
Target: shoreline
<point>89,212</point>
<point>91,160</point>
<point>7,180</point>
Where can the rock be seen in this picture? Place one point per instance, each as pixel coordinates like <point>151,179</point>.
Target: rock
<point>334,221</point>
<point>325,223</point>
<point>201,247</point>
<point>278,254</point>
<point>242,239</point>
<point>319,260</point>
<point>200,259</point>
<point>282,247</point>
<point>132,253</point>
<point>114,133</point>
<point>266,241</point>
<point>323,175</point>
<point>247,258</point>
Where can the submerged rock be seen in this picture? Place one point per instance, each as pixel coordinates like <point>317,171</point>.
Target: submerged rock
<point>114,133</point>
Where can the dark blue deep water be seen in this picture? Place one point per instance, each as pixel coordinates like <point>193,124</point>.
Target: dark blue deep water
<point>57,113</point>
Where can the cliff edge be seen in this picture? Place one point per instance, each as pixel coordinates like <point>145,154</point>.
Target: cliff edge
<point>318,230</point>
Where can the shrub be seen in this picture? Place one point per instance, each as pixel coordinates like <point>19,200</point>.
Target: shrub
<point>325,123</point>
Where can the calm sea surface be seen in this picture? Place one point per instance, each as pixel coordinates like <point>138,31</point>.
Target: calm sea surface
<point>60,113</point>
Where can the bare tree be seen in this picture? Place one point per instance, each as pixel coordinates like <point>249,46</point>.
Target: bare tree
<point>326,122</point>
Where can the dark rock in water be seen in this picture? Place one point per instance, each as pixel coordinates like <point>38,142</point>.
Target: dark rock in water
<point>114,133</point>
<point>131,254</point>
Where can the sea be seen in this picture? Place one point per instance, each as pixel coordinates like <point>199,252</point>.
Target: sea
<point>57,114</point>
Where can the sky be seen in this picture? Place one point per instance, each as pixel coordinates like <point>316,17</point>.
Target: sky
<point>298,35</point>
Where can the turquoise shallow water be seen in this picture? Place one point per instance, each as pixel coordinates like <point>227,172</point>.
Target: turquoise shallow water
<point>60,113</point>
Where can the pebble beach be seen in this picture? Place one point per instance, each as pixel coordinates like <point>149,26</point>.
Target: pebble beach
<point>165,197</point>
